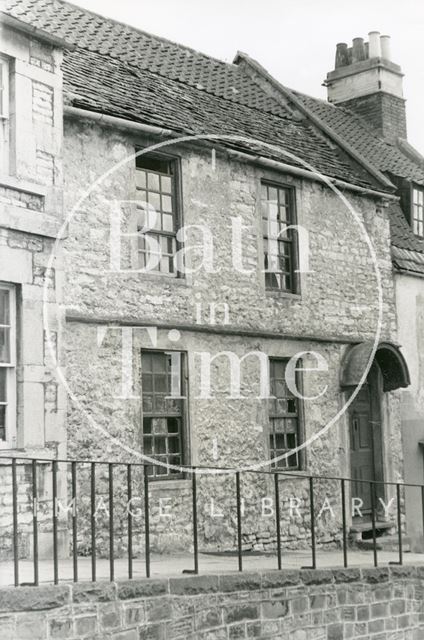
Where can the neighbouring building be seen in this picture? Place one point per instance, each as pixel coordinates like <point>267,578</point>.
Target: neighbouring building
<point>282,238</point>
<point>368,84</point>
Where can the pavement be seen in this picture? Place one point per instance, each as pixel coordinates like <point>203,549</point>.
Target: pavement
<point>176,565</point>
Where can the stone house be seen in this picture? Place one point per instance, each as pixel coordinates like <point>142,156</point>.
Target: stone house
<point>214,226</point>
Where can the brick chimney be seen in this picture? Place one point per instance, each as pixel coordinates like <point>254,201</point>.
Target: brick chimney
<point>366,81</point>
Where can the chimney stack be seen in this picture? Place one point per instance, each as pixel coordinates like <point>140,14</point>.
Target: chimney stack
<point>367,81</point>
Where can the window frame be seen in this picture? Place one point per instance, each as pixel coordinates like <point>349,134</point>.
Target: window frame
<point>176,192</point>
<point>413,220</point>
<point>4,113</point>
<point>294,241</point>
<point>11,416</point>
<point>300,430</point>
<point>185,431</point>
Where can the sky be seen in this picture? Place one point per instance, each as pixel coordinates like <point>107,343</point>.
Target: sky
<point>294,39</point>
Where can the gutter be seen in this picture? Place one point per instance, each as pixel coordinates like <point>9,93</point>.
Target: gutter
<point>260,70</point>
<point>139,127</point>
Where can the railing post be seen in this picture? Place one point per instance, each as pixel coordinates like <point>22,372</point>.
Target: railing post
<point>146,521</point>
<point>277,518</point>
<point>35,520</point>
<point>374,537</point>
<point>239,545</point>
<point>312,516</point>
<point>15,524</point>
<point>111,525</point>
<point>129,520</point>
<point>399,526</point>
<point>343,488</point>
<point>93,519</point>
<point>195,539</point>
<point>74,520</point>
<point>54,501</point>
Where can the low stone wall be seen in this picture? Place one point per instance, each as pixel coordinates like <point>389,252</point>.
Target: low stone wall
<point>384,604</point>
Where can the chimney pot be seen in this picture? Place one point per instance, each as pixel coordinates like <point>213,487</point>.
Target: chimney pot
<point>342,58</point>
<point>385,47</point>
<point>374,44</point>
<point>358,50</point>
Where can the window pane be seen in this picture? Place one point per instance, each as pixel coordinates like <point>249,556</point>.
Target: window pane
<point>162,433</point>
<point>283,417</point>
<point>4,306</point>
<point>167,222</point>
<point>140,179</point>
<point>166,184</point>
<point>2,422</point>
<point>156,176</point>
<point>4,344</point>
<point>166,203</point>
<point>154,200</point>
<point>277,241</point>
<point>152,182</point>
<point>3,374</point>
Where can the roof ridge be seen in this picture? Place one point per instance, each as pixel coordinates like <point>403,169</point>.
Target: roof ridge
<point>141,31</point>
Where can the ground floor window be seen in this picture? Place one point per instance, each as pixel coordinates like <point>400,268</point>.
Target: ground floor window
<point>284,418</point>
<point>163,411</point>
<point>7,366</point>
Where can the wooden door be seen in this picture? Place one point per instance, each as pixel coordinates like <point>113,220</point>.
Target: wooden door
<point>361,448</point>
<point>366,452</point>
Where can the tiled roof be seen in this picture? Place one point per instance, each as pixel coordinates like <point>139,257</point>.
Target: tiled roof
<point>383,154</point>
<point>398,159</point>
<point>401,232</point>
<point>406,260</point>
<point>143,51</point>
<point>119,70</point>
<point>101,84</point>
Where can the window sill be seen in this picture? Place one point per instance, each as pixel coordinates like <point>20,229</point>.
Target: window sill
<point>169,484</point>
<point>282,294</point>
<point>162,279</point>
<point>295,474</point>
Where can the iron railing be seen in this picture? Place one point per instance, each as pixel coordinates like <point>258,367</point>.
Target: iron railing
<point>275,476</point>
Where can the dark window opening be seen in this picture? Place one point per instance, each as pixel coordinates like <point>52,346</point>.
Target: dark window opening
<point>163,413</point>
<point>284,419</point>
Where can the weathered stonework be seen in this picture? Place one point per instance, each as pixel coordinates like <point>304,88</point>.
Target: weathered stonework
<point>311,605</point>
<point>338,305</point>
<point>30,216</point>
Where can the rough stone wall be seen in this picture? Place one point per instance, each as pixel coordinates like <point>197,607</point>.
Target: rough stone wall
<point>339,298</point>
<point>384,604</point>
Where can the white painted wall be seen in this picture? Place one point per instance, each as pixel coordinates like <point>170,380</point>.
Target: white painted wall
<point>410,314</point>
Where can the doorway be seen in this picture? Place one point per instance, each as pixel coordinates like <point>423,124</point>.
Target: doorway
<point>366,447</point>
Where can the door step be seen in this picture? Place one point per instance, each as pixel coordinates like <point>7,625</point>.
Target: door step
<point>360,531</point>
<point>384,543</point>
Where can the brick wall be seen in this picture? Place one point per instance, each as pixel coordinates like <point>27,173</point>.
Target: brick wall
<point>384,112</point>
<point>380,604</point>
